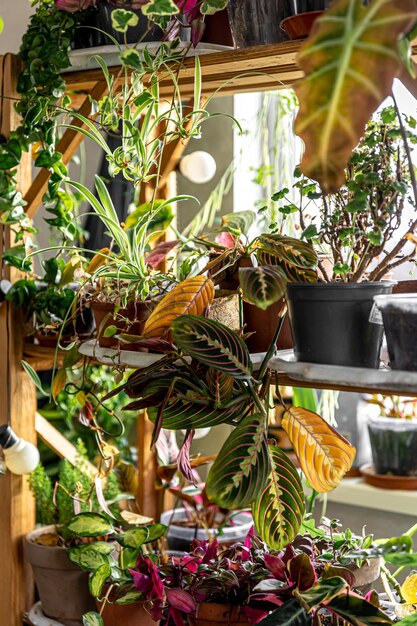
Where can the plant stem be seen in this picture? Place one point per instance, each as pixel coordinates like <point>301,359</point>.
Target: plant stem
<point>273,346</point>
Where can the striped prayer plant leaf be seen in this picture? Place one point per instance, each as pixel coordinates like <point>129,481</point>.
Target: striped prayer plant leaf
<point>242,467</point>
<point>282,249</point>
<point>263,285</point>
<point>181,415</point>
<point>212,344</point>
<point>279,510</point>
<point>220,385</point>
<point>192,296</point>
<point>350,61</point>
<point>325,456</point>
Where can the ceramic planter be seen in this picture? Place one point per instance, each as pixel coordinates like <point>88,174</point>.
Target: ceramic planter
<point>336,323</point>
<point>180,537</point>
<point>62,586</point>
<point>399,313</point>
<point>212,614</point>
<point>129,320</point>
<point>257,22</point>
<point>394,445</point>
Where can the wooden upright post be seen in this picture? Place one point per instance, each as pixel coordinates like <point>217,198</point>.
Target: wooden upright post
<point>17,515</point>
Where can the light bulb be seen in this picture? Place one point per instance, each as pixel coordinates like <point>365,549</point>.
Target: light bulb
<point>20,456</point>
<point>198,167</point>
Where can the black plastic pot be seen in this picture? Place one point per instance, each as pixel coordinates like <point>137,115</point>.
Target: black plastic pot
<point>87,34</point>
<point>399,313</point>
<point>394,445</point>
<point>257,22</point>
<point>336,323</point>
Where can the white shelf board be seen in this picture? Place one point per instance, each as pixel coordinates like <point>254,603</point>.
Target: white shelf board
<point>355,492</point>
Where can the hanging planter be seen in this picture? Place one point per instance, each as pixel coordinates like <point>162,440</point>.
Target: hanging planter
<point>336,323</point>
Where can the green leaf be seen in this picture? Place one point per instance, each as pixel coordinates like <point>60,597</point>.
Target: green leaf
<point>130,598</point>
<point>212,344</point>
<point>324,591</point>
<point>242,467</point>
<point>92,619</point>
<point>209,7</point>
<point>156,531</point>
<point>410,620</point>
<point>90,525</point>
<point>357,611</point>
<point>277,249</point>
<point>121,20</point>
<point>289,614</point>
<point>180,415</point>
<point>110,331</point>
<point>34,377</point>
<point>88,557</point>
<point>350,62</point>
<point>238,223</point>
<point>262,285</point>
<point>279,510</point>
<point>7,161</point>
<point>159,8</point>
<point>131,58</point>
<point>135,538</point>
<point>97,581</point>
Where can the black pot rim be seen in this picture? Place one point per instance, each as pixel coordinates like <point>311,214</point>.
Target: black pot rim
<point>341,285</point>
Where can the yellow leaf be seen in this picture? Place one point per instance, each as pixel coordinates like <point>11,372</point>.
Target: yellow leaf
<point>135,518</point>
<point>325,456</point>
<point>192,296</point>
<point>98,260</point>
<point>59,383</point>
<point>409,589</point>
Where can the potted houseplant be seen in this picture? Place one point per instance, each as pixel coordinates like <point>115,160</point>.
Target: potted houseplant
<point>110,565</point>
<point>62,587</point>
<point>399,314</point>
<point>393,434</point>
<point>335,321</point>
<point>256,23</point>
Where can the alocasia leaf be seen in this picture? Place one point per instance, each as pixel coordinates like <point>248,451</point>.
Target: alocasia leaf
<point>242,466</point>
<point>350,61</point>
<point>325,456</point>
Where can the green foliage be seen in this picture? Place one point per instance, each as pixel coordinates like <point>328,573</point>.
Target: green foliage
<point>41,487</point>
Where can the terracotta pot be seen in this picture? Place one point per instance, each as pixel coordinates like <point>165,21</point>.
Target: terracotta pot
<point>129,320</point>
<point>218,29</point>
<point>299,26</point>
<point>126,615</point>
<point>210,614</point>
<point>263,324</point>
<point>365,575</point>
<point>62,585</point>
<point>225,309</point>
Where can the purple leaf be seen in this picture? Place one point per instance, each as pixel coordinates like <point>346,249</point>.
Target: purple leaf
<point>160,253</point>
<point>175,616</point>
<point>276,566</point>
<point>181,600</point>
<point>167,447</point>
<point>183,461</point>
<point>254,615</point>
<point>302,572</point>
<point>142,582</point>
<point>248,539</point>
<point>197,31</point>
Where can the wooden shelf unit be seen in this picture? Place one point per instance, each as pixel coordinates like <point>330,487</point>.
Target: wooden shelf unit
<point>224,73</point>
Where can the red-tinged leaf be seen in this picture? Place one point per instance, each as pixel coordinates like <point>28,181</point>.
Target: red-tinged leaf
<point>357,611</point>
<point>160,253</point>
<point>174,615</point>
<point>153,344</point>
<point>276,566</point>
<point>98,483</point>
<point>227,240</point>
<point>262,286</point>
<point>183,461</point>
<point>254,615</point>
<point>142,582</point>
<point>181,600</point>
<point>86,414</point>
<point>302,572</point>
<point>167,448</point>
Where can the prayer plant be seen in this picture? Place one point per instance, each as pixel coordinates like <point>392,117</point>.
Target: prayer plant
<point>207,378</point>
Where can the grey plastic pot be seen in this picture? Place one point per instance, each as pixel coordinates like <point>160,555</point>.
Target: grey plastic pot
<point>62,585</point>
<point>181,537</point>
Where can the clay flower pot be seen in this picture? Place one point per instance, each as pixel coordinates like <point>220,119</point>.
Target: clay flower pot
<point>62,585</point>
<point>211,614</point>
<point>129,320</point>
<point>126,615</point>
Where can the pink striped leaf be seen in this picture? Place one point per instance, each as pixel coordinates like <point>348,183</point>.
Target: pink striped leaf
<point>240,472</point>
<point>179,415</point>
<point>212,344</point>
<point>279,510</point>
<point>289,250</point>
<point>263,285</point>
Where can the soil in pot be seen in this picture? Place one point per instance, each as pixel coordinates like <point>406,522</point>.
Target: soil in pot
<point>62,586</point>
<point>225,309</point>
<point>181,532</point>
<point>399,313</point>
<point>394,445</point>
<point>336,323</point>
<point>129,320</point>
<point>209,614</point>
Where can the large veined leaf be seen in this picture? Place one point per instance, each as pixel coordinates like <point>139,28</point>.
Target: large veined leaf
<point>291,613</point>
<point>242,466</point>
<point>350,61</point>
<point>263,285</point>
<point>238,223</point>
<point>180,415</point>
<point>280,248</point>
<point>212,344</point>
<point>193,296</point>
<point>279,510</point>
<point>89,525</point>
<point>220,385</point>
<point>358,612</point>
<point>325,456</point>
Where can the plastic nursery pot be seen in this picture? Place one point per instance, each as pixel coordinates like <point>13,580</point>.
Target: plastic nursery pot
<point>62,585</point>
<point>180,536</point>
<point>399,313</point>
<point>210,614</point>
<point>336,323</point>
<point>394,445</point>
<point>126,615</point>
<point>141,32</point>
<point>129,320</point>
<point>257,22</point>
<point>87,33</point>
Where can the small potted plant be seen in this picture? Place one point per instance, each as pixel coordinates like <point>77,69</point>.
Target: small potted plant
<point>393,434</point>
<point>62,587</point>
